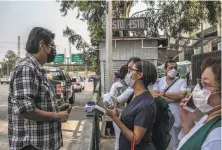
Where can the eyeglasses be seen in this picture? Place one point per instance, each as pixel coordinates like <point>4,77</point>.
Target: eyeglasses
<point>202,85</point>
<point>131,69</point>
<point>52,46</point>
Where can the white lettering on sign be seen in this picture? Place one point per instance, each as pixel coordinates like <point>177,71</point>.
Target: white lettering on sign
<point>137,23</point>
<point>128,24</point>
<point>118,24</point>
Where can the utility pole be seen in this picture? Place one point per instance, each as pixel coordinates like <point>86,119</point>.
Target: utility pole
<point>70,50</point>
<point>109,53</point>
<point>202,33</point>
<point>19,46</point>
<point>7,63</point>
<point>68,64</point>
<point>202,37</point>
<point>64,53</point>
<point>69,58</point>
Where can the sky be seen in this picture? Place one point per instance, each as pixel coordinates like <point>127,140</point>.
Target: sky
<point>19,17</point>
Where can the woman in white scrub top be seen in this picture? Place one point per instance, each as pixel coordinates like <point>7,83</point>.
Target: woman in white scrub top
<point>205,134</point>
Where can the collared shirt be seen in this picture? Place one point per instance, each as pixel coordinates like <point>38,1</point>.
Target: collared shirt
<point>212,141</point>
<point>179,86</point>
<point>140,112</point>
<point>29,89</point>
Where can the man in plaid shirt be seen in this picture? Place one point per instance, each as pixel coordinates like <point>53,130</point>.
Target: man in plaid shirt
<point>34,118</point>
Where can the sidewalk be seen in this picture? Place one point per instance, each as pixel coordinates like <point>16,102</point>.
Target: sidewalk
<point>72,129</point>
<point>107,144</point>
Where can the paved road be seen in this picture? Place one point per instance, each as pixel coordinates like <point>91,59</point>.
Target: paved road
<point>71,129</point>
<point>4,89</point>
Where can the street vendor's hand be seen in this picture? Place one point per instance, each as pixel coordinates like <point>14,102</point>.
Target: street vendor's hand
<point>69,109</point>
<point>112,113</point>
<point>64,107</point>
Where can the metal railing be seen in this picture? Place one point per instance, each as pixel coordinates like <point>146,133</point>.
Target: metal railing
<point>90,136</point>
<point>197,60</point>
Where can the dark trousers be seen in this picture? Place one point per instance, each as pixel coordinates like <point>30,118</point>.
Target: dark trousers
<point>29,147</point>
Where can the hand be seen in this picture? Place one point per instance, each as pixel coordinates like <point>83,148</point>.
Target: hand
<point>165,98</point>
<point>112,113</point>
<point>187,118</point>
<point>62,116</point>
<point>64,107</point>
<point>69,109</point>
<point>161,93</point>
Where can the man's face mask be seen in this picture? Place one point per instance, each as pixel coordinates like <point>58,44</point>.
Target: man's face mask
<point>51,55</point>
<point>172,73</point>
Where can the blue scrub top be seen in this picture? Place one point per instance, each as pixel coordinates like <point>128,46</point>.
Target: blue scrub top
<point>141,112</point>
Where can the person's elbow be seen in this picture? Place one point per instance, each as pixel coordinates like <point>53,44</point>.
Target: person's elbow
<point>139,134</point>
<point>138,140</point>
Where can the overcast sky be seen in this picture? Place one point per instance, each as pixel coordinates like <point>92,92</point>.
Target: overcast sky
<point>19,17</point>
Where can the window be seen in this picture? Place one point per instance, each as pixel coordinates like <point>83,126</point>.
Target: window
<point>54,75</point>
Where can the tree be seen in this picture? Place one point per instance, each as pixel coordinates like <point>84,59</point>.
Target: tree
<point>90,55</point>
<point>172,17</point>
<point>177,17</point>
<point>9,62</point>
<point>94,12</point>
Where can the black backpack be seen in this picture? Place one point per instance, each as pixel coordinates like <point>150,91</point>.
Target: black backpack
<point>164,121</point>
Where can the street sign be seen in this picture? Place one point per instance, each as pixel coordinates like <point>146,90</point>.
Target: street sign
<point>77,58</point>
<point>121,24</point>
<point>59,58</point>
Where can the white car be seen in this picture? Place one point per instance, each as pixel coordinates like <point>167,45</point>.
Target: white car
<point>76,84</point>
<point>82,82</point>
<point>5,79</point>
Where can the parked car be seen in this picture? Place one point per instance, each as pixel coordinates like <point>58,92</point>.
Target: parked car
<point>62,84</point>
<point>5,79</point>
<point>76,82</point>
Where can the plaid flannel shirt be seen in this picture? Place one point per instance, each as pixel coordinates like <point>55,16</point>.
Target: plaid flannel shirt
<point>30,89</point>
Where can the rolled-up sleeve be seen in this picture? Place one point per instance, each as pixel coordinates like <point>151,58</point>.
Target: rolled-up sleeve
<point>25,87</point>
<point>145,117</point>
<point>123,98</point>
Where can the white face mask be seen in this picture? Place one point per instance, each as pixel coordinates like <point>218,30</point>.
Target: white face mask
<point>200,99</point>
<point>172,73</point>
<point>129,81</point>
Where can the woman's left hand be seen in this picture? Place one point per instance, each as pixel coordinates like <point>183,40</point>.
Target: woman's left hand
<point>112,113</point>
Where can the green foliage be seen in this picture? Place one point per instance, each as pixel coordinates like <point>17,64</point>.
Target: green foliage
<point>176,17</point>
<point>173,17</point>
<point>94,12</point>
<point>9,61</point>
<point>90,56</point>
<point>91,11</point>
